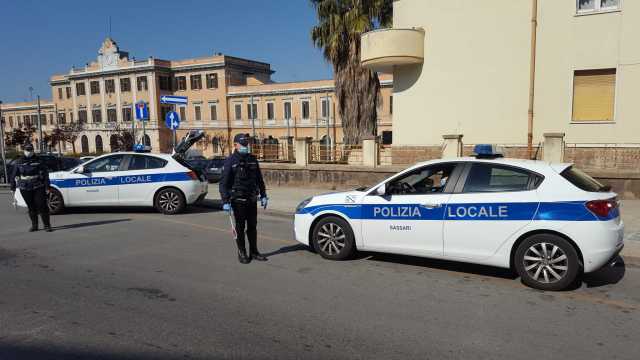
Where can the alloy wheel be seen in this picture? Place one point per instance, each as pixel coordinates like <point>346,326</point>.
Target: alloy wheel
<point>331,238</point>
<point>546,263</point>
<point>169,201</point>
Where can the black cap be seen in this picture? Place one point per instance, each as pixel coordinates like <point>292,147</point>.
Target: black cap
<point>27,147</point>
<point>241,139</point>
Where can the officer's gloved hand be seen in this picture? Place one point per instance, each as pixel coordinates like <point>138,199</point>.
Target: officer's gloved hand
<point>226,207</point>
<point>264,201</point>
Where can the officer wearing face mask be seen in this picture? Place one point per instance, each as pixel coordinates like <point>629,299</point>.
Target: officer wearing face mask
<point>240,187</point>
<point>30,175</point>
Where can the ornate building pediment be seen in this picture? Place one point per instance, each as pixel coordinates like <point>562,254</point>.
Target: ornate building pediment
<point>109,55</point>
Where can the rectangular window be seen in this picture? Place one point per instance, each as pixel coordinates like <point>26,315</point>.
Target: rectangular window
<point>125,85</point>
<point>165,83</point>
<point>126,113</point>
<point>594,95</point>
<point>112,115</point>
<point>60,93</point>
<point>305,109</point>
<point>183,113</point>
<point>214,111</point>
<point>252,111</point>
<point>197,112</point>
<point>10,121</point>
<point>196,82</point>
<point>110,86</point>
<point>181,83</point>
<point>71,117</point>
<point>325,108</point>
<point>496,178</point>
<point>238,112</point>
<point>61,118</point>
<point>212,81</point>
<point>142,83</point>
<point>95,87</point>
<point>80,90</point>
<point>287,110</point>
<point>82,116</point>
<point>270,112</point>
<point>43,119</point>
<point>51,119</point>
<point>68,89</point>
<point>96,116</point>
<point>589,6</point>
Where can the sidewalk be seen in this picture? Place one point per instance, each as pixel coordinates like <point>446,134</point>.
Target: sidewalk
<point>285,199</point>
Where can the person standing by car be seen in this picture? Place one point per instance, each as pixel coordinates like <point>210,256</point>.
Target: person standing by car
<point>30,175</point>
<point>240,186</point>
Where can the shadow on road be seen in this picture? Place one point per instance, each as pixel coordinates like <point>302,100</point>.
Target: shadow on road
<point>288,249</point>
<point>608,275</point>
<point>42,351</point>
<point>87,224</point>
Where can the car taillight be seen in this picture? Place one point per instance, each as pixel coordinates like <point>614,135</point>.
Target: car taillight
<point>602,208</point>
<point>192,175</point>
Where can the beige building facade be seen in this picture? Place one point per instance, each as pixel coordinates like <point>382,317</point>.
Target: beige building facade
<point>224,94</point>
<point>478,68</point>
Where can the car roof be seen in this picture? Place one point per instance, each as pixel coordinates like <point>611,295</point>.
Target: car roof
<point>533,165</point>
<point>163,156</point>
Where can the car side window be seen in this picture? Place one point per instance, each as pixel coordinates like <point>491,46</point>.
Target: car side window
<point>142,162</point>
<point>105,164</point>
<point>496,178</point>
<point>427,180</point>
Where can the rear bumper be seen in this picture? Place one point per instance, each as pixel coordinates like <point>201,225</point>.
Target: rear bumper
<point>601,244</point>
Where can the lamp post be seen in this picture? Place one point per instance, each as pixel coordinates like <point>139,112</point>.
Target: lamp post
<point>40,140</point>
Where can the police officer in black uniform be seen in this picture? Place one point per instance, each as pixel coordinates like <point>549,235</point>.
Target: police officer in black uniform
<point>240,186</point>
<point>30,175</point>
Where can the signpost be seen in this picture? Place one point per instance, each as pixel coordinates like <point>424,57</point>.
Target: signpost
<point>142,114</point>
<point>172,120</point>
<point>170,99</point>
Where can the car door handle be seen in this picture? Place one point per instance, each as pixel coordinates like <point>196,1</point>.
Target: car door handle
<point>431,205</point>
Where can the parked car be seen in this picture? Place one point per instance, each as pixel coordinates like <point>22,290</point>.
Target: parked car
<point>213,171</point>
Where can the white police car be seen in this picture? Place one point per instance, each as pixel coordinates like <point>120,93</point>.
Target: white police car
<point>163,181</point>
<point>549,222</point>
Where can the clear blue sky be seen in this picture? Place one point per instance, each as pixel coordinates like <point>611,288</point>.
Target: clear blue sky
<point>41,38</point>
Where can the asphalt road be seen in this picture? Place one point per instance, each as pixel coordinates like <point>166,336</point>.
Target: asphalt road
<point>134,284</point>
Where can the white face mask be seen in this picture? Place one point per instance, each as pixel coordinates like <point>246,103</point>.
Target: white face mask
<point>28,153</point>
<point>243,149</point>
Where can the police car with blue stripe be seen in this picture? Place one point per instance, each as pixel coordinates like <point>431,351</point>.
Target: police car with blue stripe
<point>548,222</point>
<point>163,181</point>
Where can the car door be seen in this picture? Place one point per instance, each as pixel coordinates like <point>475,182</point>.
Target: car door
<point>98,183</point>
<point>135,186</point>
<point>408,218</point>
<point>491,203</point>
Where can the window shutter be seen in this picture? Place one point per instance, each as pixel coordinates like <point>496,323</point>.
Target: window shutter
<point>594,95</point>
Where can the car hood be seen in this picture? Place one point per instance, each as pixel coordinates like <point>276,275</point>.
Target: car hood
<point>344,197</point>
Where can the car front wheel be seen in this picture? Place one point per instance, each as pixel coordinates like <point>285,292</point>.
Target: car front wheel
<point>55,202</point>
<point>547,262</point>
<point>333,239</point>
<point>170,201</point>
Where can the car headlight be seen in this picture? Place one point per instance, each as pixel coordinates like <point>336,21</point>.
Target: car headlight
<point>303,204</point>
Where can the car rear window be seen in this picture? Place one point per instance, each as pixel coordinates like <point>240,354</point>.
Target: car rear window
<point>582,180</point>
<point>497,178</point>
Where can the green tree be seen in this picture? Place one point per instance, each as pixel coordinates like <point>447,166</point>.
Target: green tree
<point>340,25</point>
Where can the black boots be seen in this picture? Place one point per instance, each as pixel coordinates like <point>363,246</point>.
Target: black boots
<point>257,256</point>
<point>34,222</point>
<point>242,257</point>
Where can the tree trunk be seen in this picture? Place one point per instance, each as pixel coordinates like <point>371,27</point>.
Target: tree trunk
<point>357,91</point>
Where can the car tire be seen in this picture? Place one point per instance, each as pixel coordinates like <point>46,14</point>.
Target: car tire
<point>170,201</point>
<point>55,202</point>
<point>547,262</point>
<point>333,239</point>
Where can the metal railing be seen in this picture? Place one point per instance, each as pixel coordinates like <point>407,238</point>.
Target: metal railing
<point>280,152</point>
<point>323,153</point>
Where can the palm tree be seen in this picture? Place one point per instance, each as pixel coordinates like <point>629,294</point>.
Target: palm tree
<point>340,24</point>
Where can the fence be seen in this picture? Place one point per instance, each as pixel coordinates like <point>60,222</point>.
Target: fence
<point>603,156</point>
<point>323,153</point>
<point>281,152</point>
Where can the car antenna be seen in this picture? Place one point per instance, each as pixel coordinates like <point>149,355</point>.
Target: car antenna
<point>535,156</point>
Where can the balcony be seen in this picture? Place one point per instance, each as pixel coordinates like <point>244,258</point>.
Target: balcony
<point>383,49</point>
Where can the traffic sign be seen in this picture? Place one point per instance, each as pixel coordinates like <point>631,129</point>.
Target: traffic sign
<point>142,111</point>
<point>172,120</point>
<point>170,99</point>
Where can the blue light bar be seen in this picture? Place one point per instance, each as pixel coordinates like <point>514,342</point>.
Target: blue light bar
<point>488,151</point>
<point>141,148</point>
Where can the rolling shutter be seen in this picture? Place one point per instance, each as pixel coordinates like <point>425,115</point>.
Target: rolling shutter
<point>594,95</point>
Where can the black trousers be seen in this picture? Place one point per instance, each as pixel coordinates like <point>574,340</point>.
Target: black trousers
<point>37,204</point>
<point>246,214</point>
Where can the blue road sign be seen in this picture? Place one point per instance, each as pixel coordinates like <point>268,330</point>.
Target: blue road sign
<point>170,99</point>
<point>142,111</point>
<point>172,120</point>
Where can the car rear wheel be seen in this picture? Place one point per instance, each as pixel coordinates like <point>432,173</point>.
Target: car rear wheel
<point>55,202</point>
<point>170,201</point>
<point>333,239</point>
<point>547,262</point>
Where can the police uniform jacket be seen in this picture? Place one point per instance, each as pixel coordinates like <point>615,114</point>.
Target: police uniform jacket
<point>241,178</point>
<point>29,173</point>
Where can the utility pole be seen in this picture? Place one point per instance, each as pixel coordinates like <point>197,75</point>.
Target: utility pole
<point>40,128</point>
<point>4,159</point>
<point>252,117</point>
<point>58,129</point>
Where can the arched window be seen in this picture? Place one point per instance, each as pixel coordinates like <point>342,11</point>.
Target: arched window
<point>99,147</point>
<point>113,143</point>
<point>84,143</point>
<point>146,140</point>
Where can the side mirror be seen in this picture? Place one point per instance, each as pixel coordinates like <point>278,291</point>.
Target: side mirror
<point>381,190</point>
<point>79,170</point>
